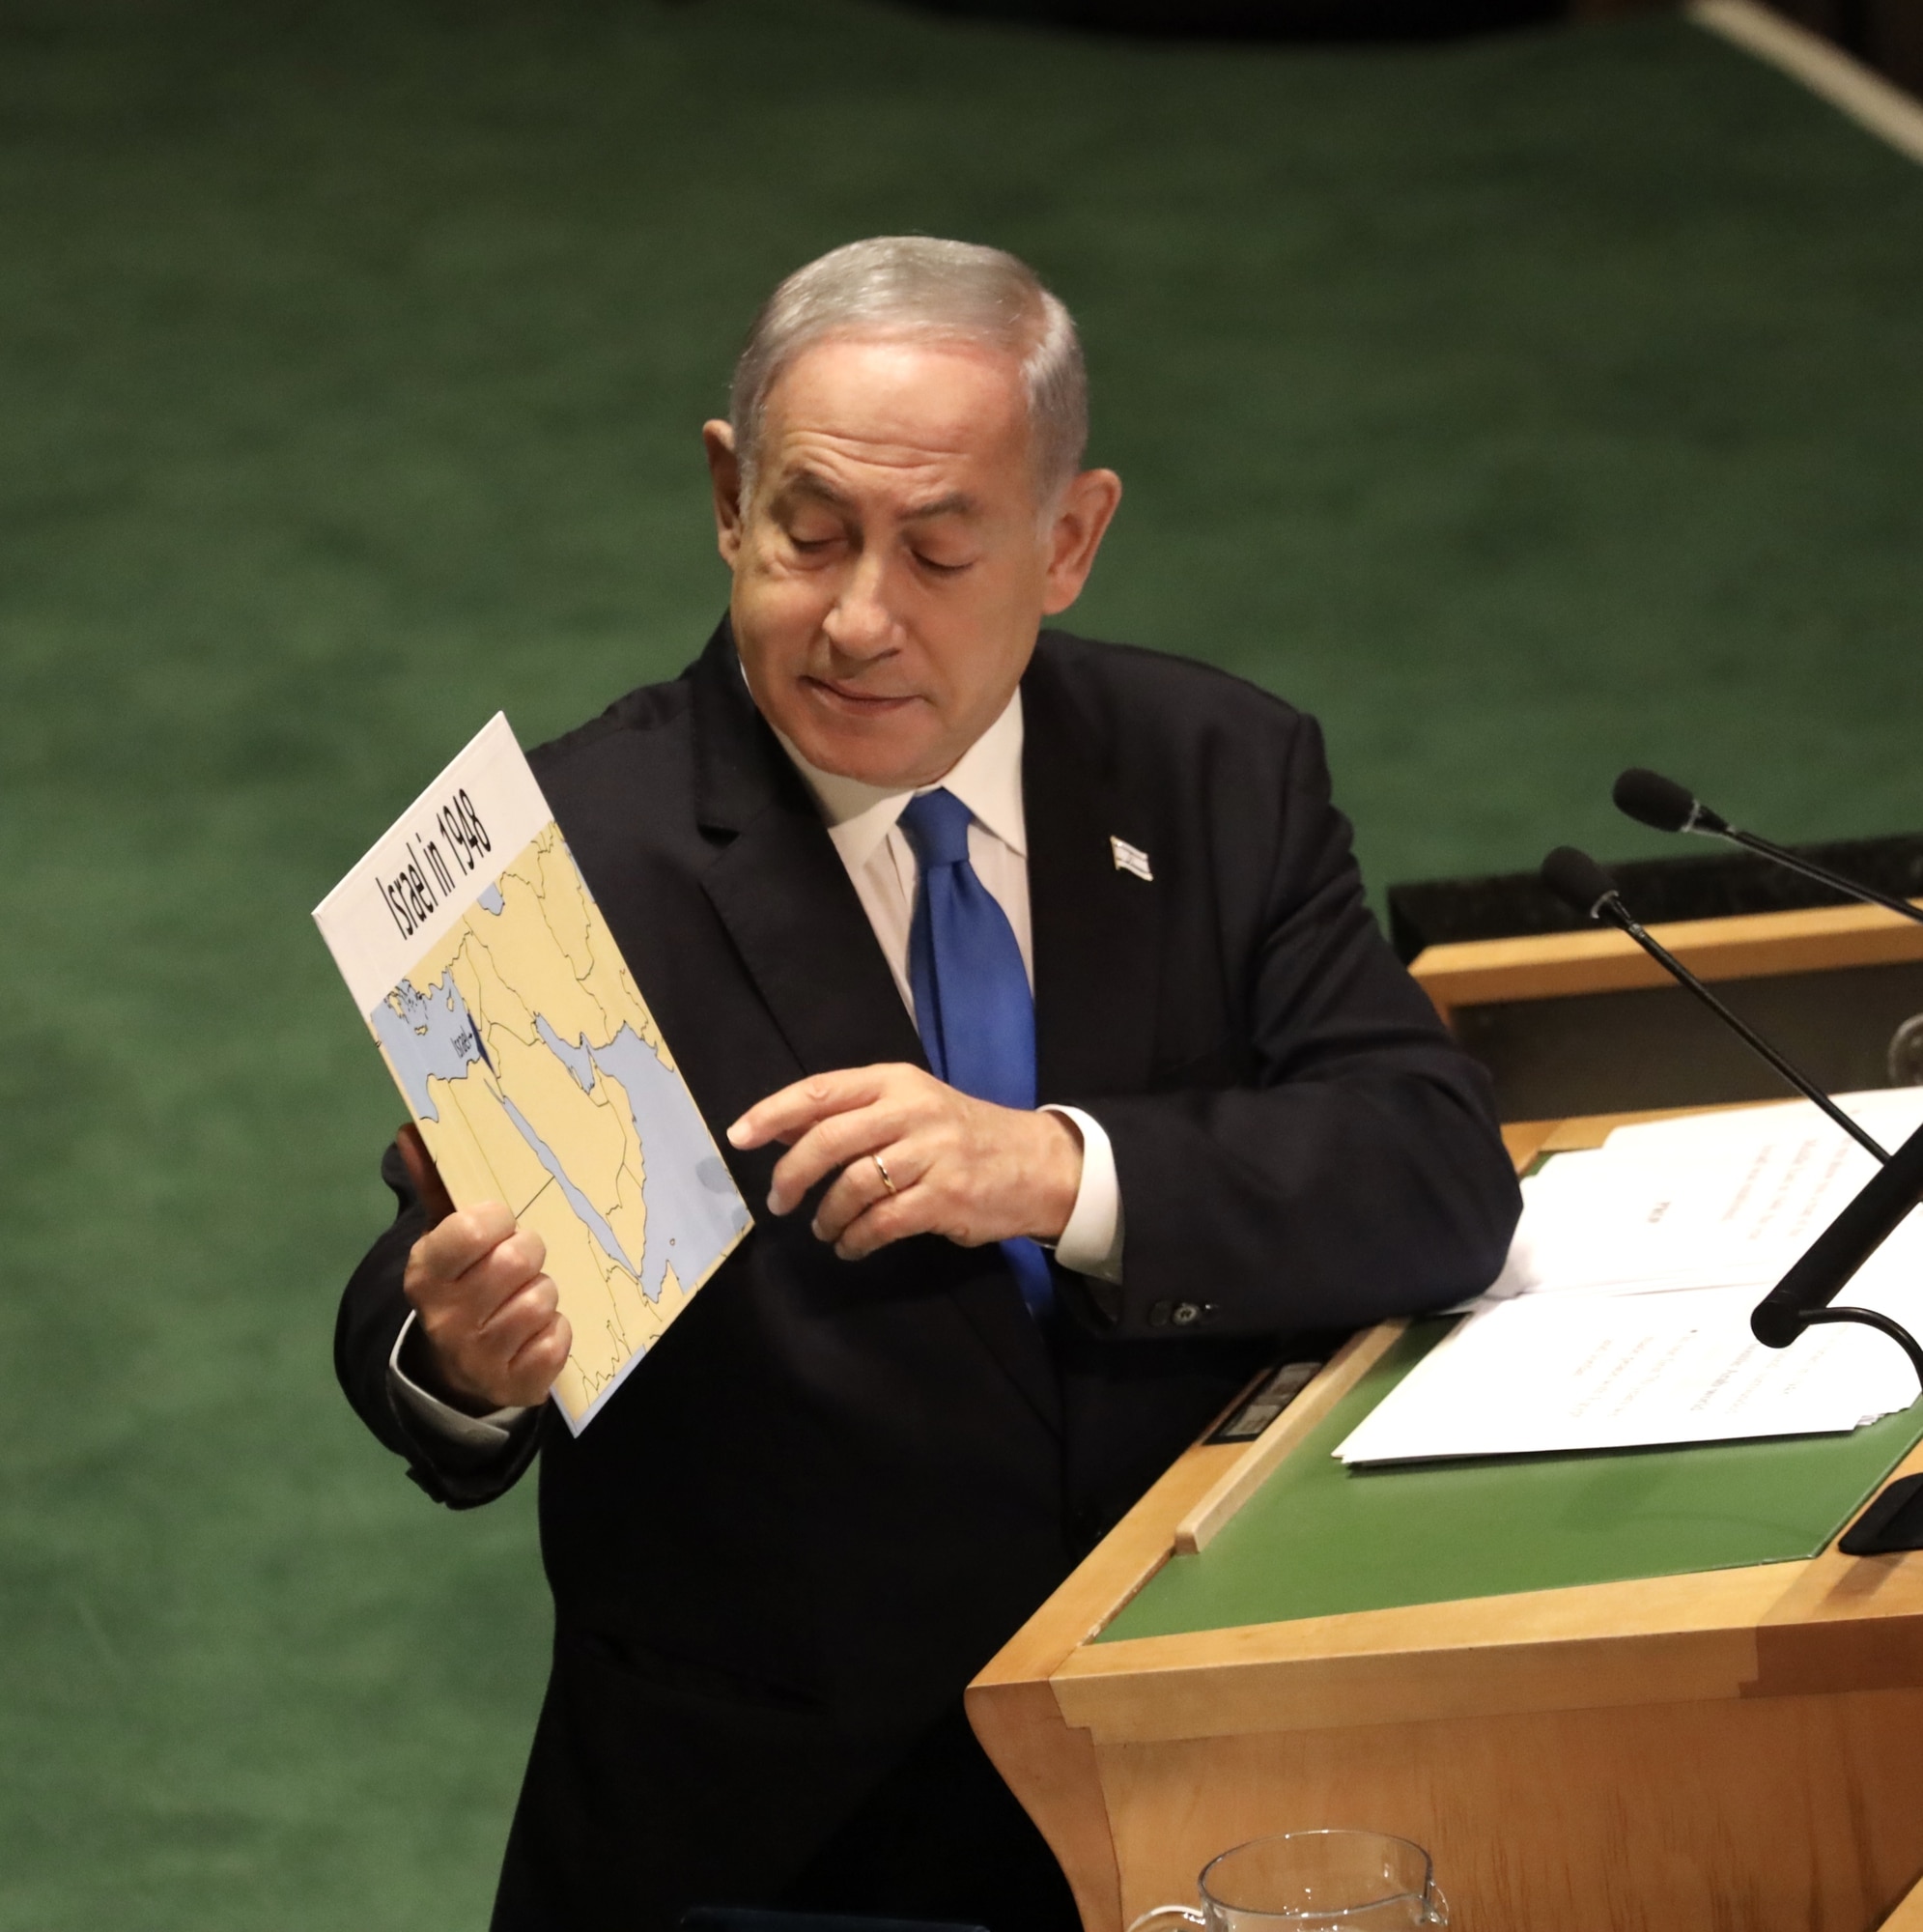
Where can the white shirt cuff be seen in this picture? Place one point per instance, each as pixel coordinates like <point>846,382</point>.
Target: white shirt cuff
<point>1092,1242</point>
<point>471,1431</point>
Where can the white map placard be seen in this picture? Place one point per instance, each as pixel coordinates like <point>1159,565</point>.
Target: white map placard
<point>528,1056</point>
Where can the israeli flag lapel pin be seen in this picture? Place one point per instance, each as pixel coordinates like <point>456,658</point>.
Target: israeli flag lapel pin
<point>1131,858</point>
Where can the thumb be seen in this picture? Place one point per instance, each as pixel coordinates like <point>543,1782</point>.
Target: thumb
<point>425,1175</point>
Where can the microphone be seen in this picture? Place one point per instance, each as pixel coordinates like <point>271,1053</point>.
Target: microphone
<point>1582,885</point>
<point>1651,799</point>
<point>1894,1520</point>
<point>1832,1258</point>
<point>1802,1296</point>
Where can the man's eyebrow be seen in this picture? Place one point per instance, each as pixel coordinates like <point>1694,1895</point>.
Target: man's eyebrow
<point>956,504</point>
<point>805,483</point>
<point>809,483</point>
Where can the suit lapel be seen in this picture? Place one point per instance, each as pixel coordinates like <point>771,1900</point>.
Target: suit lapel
<point>778,886</point>
<point>1096,926</point>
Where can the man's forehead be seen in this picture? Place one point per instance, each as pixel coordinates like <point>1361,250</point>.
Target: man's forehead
<point>894,402</point>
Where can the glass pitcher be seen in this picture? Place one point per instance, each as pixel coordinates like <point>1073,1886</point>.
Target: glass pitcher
<point>1346,1881</point>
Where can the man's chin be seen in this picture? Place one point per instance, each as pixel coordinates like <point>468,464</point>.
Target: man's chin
<point>871,760</point>
<point>891,747</point>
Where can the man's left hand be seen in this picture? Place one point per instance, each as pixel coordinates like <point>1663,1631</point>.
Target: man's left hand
<point>916,1158</point>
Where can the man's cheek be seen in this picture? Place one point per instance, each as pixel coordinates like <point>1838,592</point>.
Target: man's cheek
<point>777,611</point>
<point>793,592</point>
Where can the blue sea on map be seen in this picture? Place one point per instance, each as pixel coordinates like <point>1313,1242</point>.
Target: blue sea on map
<point>490,900</point>
<point>577,1059</point>
<point>693,1210</point>
<point>694,1204</point>
<point>431,1038</point>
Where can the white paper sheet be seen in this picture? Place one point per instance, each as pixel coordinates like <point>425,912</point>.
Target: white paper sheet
<point>1711,1199</point>
<point>1579,1372</point>
<point>1622,1317</point>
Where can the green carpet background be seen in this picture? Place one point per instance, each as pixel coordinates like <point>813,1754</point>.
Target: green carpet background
<point>1524,407</point>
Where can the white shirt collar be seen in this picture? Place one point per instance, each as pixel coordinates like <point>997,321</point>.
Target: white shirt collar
<point>987,779</point>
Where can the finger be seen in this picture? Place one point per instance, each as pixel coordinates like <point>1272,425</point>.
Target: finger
<point>480,1356</point>
<point>838,1142</point>
<point>933,1205</point>
<point>788,1114</point>
<point>492,1353</point>
<point>493,1281</point>
<point>424,1175</point>
<point>893,1218</point>
<point>455,1300</point>
<point>530,1374</point>
<point>468,1237</point>
<point>861,1187</point>
<point>521,1313</point>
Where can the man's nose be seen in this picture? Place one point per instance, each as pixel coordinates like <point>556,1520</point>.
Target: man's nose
<point>861,622</point>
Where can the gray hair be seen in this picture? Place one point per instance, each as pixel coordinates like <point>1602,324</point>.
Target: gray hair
<point>918,287</point>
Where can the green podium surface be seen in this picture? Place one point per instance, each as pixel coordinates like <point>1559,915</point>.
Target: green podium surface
<point>1320,1538</point>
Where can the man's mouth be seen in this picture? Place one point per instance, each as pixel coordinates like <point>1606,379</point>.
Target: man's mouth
<point>854,699</point>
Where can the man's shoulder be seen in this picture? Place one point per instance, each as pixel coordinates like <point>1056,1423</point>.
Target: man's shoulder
<point>1127,694</point>
<point>643,742</point>
<point>649,709</point>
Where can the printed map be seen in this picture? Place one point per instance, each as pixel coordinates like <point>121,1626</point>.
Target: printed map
<point>539,1078</point>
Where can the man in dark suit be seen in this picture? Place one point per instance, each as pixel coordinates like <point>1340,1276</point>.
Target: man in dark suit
<point>837,853</point>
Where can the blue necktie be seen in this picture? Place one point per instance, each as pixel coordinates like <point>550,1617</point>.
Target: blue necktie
<point>971,1001</point>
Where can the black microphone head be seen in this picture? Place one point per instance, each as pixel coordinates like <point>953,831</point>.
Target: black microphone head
<point>1578,880</point>
<point>1651,799</point>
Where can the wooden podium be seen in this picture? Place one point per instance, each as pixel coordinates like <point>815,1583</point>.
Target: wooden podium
<point>1586,1022</point>
<point>1737,1749</point>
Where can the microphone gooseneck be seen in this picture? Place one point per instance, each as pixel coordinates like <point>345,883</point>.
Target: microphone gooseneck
<point>1844,1246</point>
<point>1582,885</point>
<point>1651,799</point>
<point>1802,1296</point>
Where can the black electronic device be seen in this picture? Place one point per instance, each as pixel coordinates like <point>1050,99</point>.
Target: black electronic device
<point>1651,799</point>
<point>1892,1523</point>
<point>1804,1293</point>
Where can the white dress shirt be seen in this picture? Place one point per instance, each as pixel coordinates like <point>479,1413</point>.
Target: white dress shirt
<point>864,821</point>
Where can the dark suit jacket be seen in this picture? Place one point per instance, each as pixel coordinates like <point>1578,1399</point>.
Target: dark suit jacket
<point>783,1548</point>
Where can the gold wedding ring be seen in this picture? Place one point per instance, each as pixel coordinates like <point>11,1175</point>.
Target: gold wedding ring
<point>881,1168</point>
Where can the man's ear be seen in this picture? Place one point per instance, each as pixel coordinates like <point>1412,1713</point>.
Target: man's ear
<point>725,472</point>
<point>1082,520</point>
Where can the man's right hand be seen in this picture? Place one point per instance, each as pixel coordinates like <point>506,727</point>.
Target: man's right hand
<point>489,1320</point>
